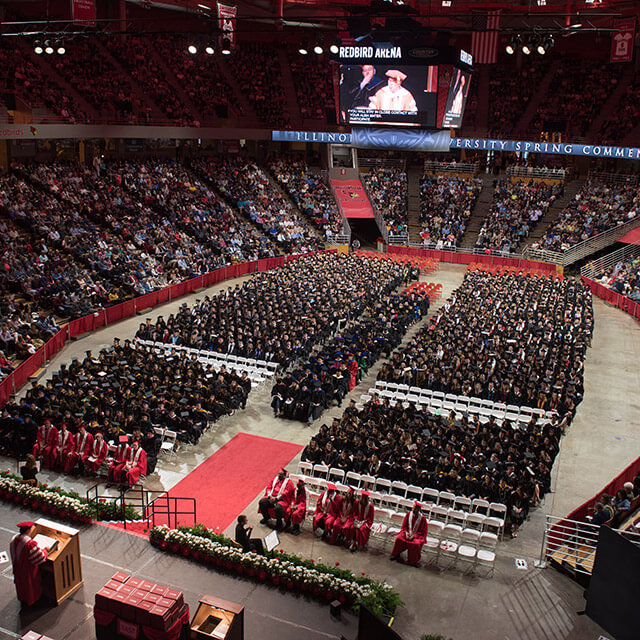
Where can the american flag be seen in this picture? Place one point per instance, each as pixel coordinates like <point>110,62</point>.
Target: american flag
<point>485,36</point>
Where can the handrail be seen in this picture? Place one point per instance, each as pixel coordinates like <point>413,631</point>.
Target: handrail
<point>380,221</point>
<point>582,249</point>
<point>382,162</point>
<point>608,176</point>
<point>452,167</point>
<point>590,269</point>
<point>538,172</point>
<point>572,544</point>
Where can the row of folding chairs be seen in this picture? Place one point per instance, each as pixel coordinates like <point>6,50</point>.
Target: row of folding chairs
<point>471,402</point>
<point>398,496</point>
<point>265,368</point>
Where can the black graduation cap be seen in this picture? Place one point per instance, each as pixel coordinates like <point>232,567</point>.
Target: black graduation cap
<point>148,394</point>
<point>183,401</point>
<point>175,387</point>
<point>184,414</point>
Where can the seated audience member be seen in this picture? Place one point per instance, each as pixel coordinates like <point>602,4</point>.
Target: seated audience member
<point>345,516</point>
<point>134,465</point>
<point>600,516</point>
<point>119,457</point>
<point>607,504</point>
<point>47,435</point>
<point>628,489</point>
<point>80,452</point>
<point>412,536</point>
<point>322,515</point>
<point>97,454</point>
<point>358,535</point>
<point>29,471</point>
<point>298,509</point>
<point>56,454</point>
<point>622,504</point>
<point>277,499</point>
<point>244,539</point>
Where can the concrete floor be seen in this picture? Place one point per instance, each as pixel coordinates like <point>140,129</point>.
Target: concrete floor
<point>532,604</point>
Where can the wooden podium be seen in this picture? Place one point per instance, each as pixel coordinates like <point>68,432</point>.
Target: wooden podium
<point>217,618</point>
<point>61,573</point>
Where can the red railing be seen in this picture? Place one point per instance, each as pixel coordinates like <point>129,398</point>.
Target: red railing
<point>613,297</point>
<point>101,318</point>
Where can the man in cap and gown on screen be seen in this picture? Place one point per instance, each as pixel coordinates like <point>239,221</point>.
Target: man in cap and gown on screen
<point>26,558</point>
<point>393,97</point>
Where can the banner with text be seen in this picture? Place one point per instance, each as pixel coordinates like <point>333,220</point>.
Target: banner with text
<point>84,11</point>
<point>227,23</point>
<point>622,39</point>
<point>352,198</point>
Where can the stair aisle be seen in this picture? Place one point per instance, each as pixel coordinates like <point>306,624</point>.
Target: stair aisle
<point>414,180</point>
<point>479,213</point>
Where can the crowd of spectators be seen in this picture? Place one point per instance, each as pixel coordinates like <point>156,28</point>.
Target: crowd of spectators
<point>257,69</point>
<point>311,194</point>
<point>597,207</point>
<point>585,84</point>
<point>515,210</point>
<point>623,277</point>
<point>498,463</point>
<point>280,315</point>
<point>445,207</point>
<point>335,369</point>
<point>510,92</point>
<point>387,187</point>
<point>625,118</point>
<point>124,390</point>
<point>510,337</point>
<point>139,62</point>
<point>314,88</point>
<point>244,183</point>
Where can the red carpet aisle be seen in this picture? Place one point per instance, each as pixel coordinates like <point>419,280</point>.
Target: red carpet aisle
<point>230,479</point>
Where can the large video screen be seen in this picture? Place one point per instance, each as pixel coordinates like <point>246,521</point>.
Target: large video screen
<point>388,85</point>
<point>378,94</point>
<point>456,99</point>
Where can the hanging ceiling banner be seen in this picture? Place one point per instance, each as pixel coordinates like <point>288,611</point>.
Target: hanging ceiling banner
<point>84,12</point>
<point>227,22</point>
<point>622,40</point>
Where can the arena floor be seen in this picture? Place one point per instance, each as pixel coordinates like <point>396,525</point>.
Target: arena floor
<point>515,604</point>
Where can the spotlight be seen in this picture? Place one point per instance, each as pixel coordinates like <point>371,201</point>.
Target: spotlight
<point>514,45</point>
<point>48,49</point>
<point>37,47</point>
<point>61,48</point>
<point>192,49</point>
<point>209,50</point>
<point>303,50</point>
<point>334,49</point>
<point>226,47</point>
<point>318,50</point>
<point>547,44</point>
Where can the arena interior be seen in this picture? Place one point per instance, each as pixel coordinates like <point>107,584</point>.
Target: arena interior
<point>365,272</point>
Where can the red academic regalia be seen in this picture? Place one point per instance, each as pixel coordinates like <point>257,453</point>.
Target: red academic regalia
<point>298,509</point>
<point>343,520</point>
<point>118,462</point>
<point>138,461</point>
<point>353,371</point>
<point>26,557</point>
<point>323,508</point>
<point>80,451</point>
<point>47,435</point>
<point>414,546</point>
<point>97,455</point>
<point>283,491</point>
<point>361,528</point>
<point>58,452</point>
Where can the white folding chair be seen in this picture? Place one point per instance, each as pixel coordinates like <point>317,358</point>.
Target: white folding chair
<point>395,527</point>
<point>486,554</point>
<point>321,470</point>
<point>399,488</point>
<point>457,518</point>
<point>169,441</point>
<point>305,468</point>
<point>480,506</point>
<point>352,479</point>
<point>367,481</point>
<point>449,543</point>
<point>430,495</point>
<point>383,485</point>
<point>476,521</point>
<point>414,492</point>
<point>462,503</point>
<point>439,513</point>
<point>446,498</point>
<point>336,475</point>
<point>432,541</point>
<point>469,539</point>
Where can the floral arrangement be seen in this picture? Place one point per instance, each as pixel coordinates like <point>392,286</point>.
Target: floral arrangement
<point>279,568</point>
<point>57,502</point>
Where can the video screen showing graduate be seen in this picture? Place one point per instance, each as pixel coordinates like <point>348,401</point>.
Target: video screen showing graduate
<point>456,99</point>
<point>381,94</point>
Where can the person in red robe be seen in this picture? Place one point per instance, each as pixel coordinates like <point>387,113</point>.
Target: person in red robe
<point>298,509</point>
<point>277,499</point>
<point>135,464</point>
<point>323,508</point>
<point>80,451</point>
<point>57,453</point>
<point>345,516</point>
<point>353,372</point>
<point>358,534</point>
<point>46,437</point>
<point>26,558</point>
<point>97,455</point>
<point>412,536</point>
<point>118,461</point>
